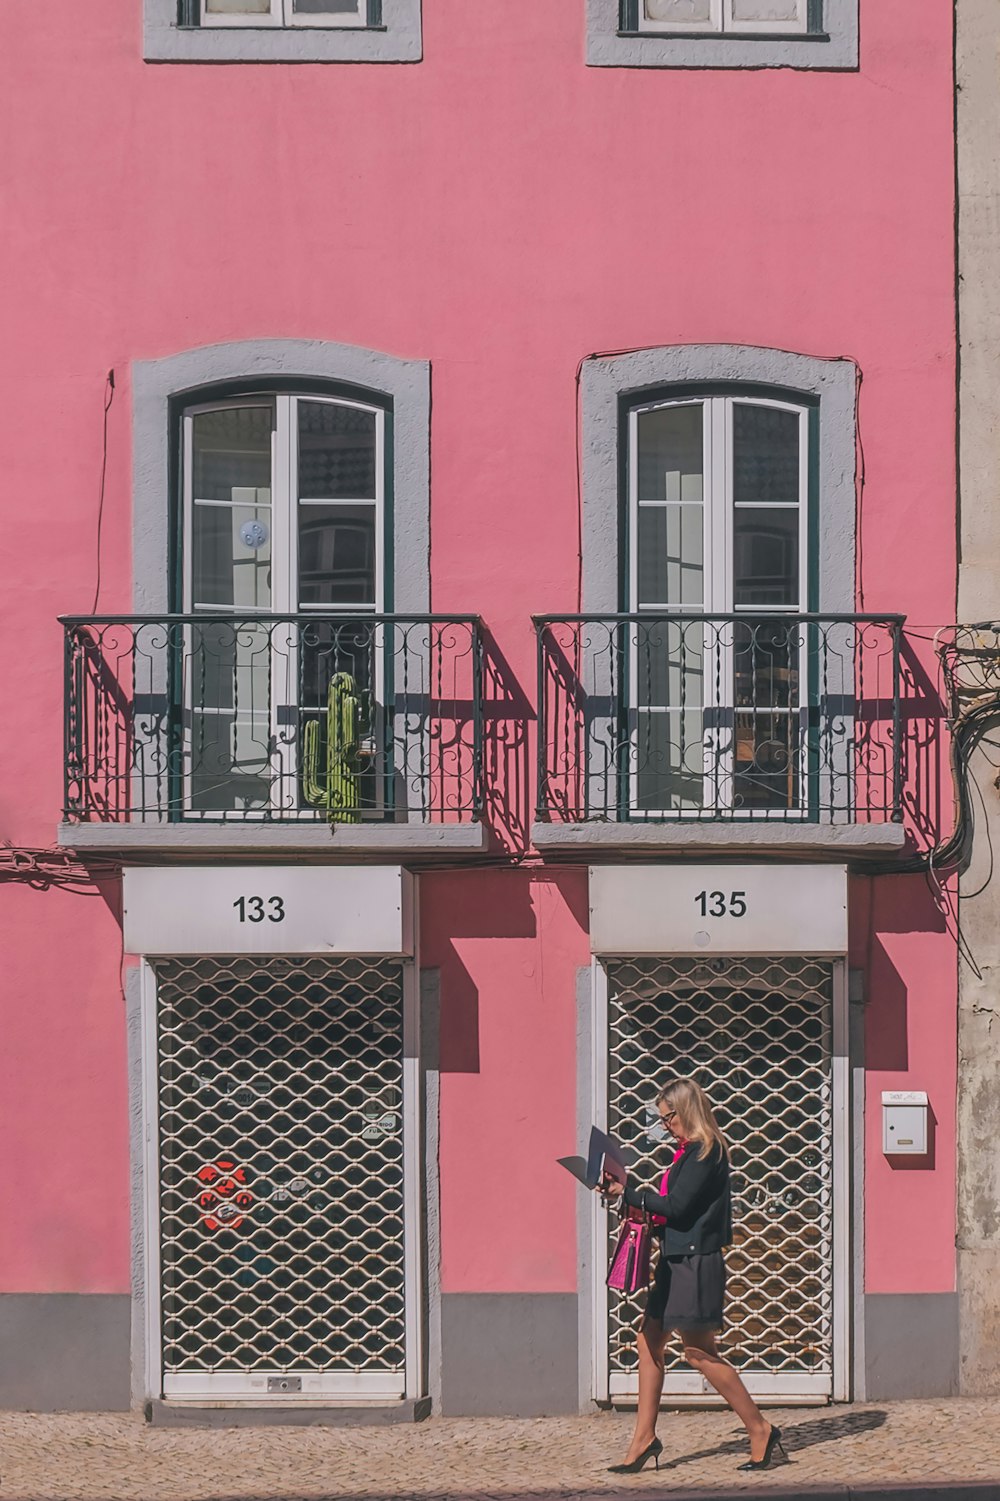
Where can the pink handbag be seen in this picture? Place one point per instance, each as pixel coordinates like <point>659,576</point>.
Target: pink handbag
<point>629,1269</point>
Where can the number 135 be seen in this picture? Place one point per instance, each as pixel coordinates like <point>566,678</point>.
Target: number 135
<point>722,904</point>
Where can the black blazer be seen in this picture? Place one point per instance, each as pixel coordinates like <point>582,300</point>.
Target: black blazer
<point>697,1206</point>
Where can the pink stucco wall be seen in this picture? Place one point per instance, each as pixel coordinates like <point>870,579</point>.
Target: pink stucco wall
<point>508,946</point>
<point>501,210</point>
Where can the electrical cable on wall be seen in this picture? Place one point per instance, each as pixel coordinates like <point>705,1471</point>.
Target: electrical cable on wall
<point>109,396</point>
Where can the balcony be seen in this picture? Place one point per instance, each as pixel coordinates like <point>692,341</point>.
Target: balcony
<point>755,732</point>
<point>315,733</point>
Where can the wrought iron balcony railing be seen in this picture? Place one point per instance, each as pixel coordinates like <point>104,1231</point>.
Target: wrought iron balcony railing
<point>219,718</point>
<point>710,717</point>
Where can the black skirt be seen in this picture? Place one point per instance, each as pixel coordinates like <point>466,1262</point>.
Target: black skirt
<point>688,1292</point>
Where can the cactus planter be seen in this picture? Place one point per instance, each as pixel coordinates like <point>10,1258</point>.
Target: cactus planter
<point>338,788</point>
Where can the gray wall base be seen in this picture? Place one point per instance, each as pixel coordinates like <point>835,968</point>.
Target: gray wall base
<point>509,1354</point>
<point>911,1345</point>
<point>161,1414</point>
<point>64,1352</point>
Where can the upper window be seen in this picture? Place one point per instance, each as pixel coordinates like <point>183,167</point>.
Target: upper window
<point>722,33</point>
<point>306,31</point>
<point>286,13</point>
<point>747,16</point>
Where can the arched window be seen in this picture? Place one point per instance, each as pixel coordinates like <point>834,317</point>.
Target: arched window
<point>718,514</point>
<point>718,540</point>
<point>718,527</point>
<point>271,478</point>
<point>284,504</point>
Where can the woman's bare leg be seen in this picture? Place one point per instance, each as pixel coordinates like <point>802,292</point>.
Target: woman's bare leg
<point>651,1343</point>
<point>701,1354</point>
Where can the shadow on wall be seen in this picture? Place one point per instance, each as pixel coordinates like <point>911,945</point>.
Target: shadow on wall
<point>507,714</point>
<point>923,714</point>
<point>496,905</point>
<point>881,906</point>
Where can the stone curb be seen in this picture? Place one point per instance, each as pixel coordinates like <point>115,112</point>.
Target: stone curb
<point>885,1490</point>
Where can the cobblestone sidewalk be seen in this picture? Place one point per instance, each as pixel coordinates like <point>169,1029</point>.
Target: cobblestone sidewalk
<point>102,1457</point>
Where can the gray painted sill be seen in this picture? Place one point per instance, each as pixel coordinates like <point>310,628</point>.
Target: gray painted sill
<point>744,839</point>
<point>319,842</point>
<point>162,1413</point>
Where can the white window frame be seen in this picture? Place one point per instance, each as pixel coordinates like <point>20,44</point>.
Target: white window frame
<point>723,22</point>
<point>284,600</point>
<point>285,502</point>
<point>718,507</point>
<point>282,13</point>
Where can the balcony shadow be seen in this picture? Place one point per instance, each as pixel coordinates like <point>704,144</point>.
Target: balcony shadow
<point>923,713</point>
<point>887,1045</point>
<point>496,905</point>
<point>507,713</point>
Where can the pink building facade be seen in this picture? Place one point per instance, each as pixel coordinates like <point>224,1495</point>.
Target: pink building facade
<point>498,584</point>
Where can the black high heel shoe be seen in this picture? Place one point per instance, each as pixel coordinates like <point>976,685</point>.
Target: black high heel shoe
<point>773,1442</point>
<point>651,1451</point>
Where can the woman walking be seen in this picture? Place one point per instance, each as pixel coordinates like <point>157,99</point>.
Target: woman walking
<point>693,1213</point>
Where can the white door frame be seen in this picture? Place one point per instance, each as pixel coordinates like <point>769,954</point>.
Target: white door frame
<point>682,1388</point>
<point>344,1388</point>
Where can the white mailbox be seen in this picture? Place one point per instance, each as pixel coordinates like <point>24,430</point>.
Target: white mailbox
<point>904,1122</point>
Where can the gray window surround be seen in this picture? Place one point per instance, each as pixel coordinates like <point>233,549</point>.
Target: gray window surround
<point>606,383</point>
<point>158,385</point>
<point>398,40</point>
<point>834,49</point>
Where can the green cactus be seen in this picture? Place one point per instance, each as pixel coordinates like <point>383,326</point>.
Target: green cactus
<point>339,790</point>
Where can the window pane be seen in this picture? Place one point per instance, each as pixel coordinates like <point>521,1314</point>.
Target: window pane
<point>652,555</point>
<point>336,555</point>
<point>336,452</point>
<point>670,455</point>
<point>231,546</point>
<point>765,455</point>
<point>765,761</point>
<point>768,10</point>
<point>228,740</point>
<point>766,556</point>
<point>327,7</point>
<point>766,662</point>
<point>696,13</point>
<point>670,561</point>
<point>232,450</point>
<point>238,7</point>
<point>667,663</point>
<point>670,540</point>
<point>669,761</point>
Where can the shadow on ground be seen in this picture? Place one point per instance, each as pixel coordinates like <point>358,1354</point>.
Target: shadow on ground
<point>795,1436</point>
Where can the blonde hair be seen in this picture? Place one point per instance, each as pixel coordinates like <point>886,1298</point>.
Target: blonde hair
<point>694,1111</point>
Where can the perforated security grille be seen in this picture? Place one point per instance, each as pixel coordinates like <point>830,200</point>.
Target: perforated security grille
<point>281,1164</point>
<point>756,1034</point>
